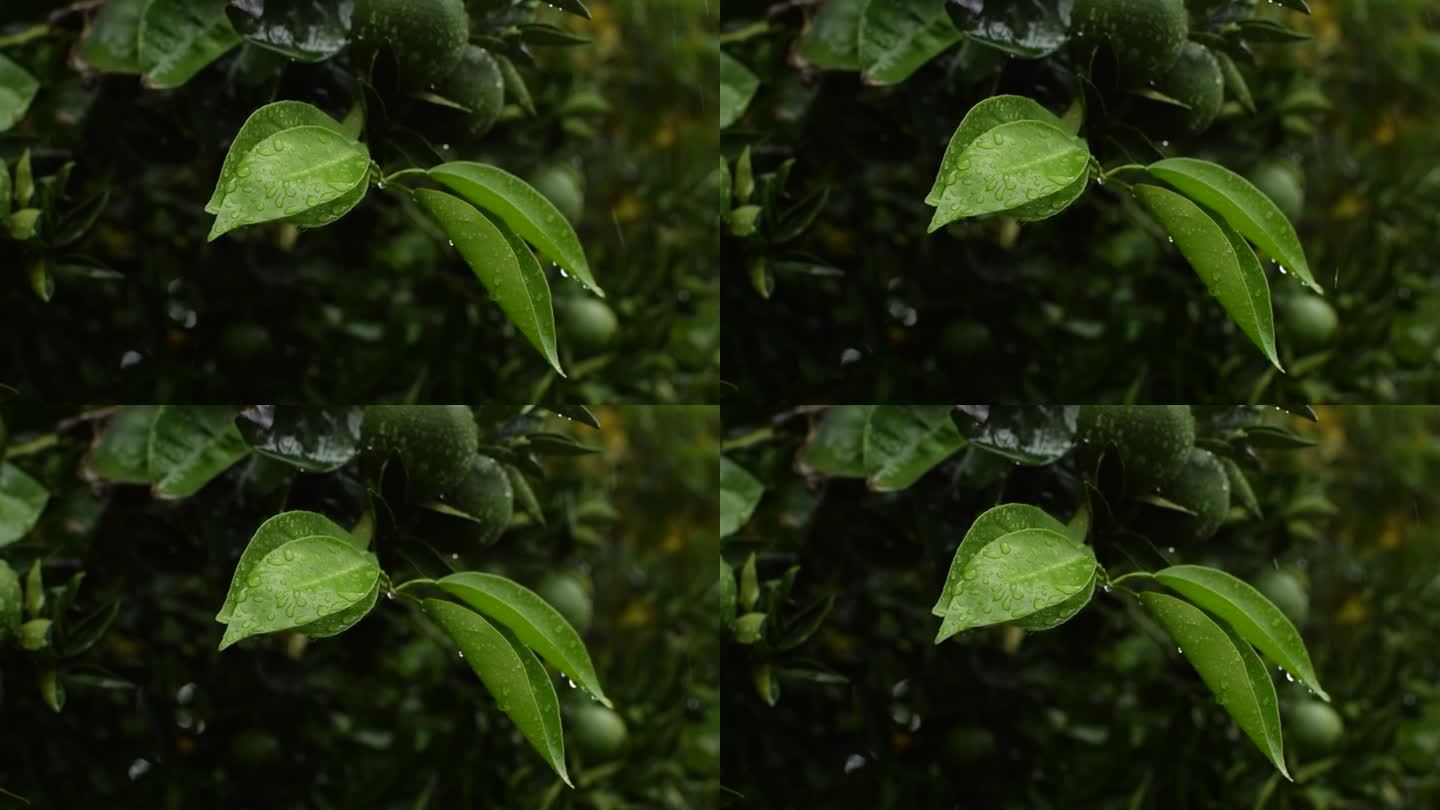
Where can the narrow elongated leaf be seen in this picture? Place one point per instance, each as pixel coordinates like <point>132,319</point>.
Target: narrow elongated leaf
<point>288,173</point>
<point>1008,167</point>
<point>1015,576</point>
<point>17,90</point>
<point>902,443</point>
<point>897,37</point>
<point>1229,667</point>
<point>1240,488</point>
<point>524,209</point>
<point>521,688</point>
<point>1242,205</point>
<point>5,191</point>
<point>300,582</point>
<point>991,525</point>
<point>178,38</point>
<point>1253,616</point>
<point>264,122</point>
<point>22,499</point>
<point>833,39</point>
<point>1229,270</point>
<point>272,534</point>
<point>312,439</point>
<point>503,264</point>
<point>838,446</point>
<point>189,445</point>
<point>737,87</point>
<point>112,42</point>
<point>532,620</point>
<point>739,493</point>
<point>1235,83</point>
<point>983,117</point>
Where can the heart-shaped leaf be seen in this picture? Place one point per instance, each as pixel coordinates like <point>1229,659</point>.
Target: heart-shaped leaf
<point>1242,205</point>
<point>1008,167</point>
<point>902,443</point>
<point>527,212</point>
<point>1249,612</point>
<point>272,534</point>
<point>1229,667</point>
<point>189,445</point>
<point>521,687</point>
<point>532,620</point>
<point>1222,260</point>
<point>289,173</point>
<point>300,582</point>
<point>739,493</point>
<point>22,499</point>
<point>264,122</point>
<point>983,117</point>
<point>991,525</point>
<point>737,87</point>
<point>178,38</point>
<point>1015,576</point>
<point>897,37</point>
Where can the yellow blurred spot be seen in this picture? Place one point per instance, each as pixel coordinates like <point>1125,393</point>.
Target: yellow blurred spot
<point>185,745</point>
<point>665,135</point>
<point>839,643</point>
<point>1385,133</point>
<point>637,614</point>
<point>629,208</point>
<point>834,238</point>
<point>1353,611</point>
<point>176,338</point>
<point>897,336</point>
<point>1349,206</point>
<point>900,741</point>
<point>1393,536</point>
<point>674,541</point>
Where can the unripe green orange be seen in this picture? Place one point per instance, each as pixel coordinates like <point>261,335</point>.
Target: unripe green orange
<point>587,323</point>
<point>1315,726</point>
<point>1201,486</point>
<point>1151,441</point>
<point>1309,320</point>
<point>426,38</point>
<point>568,595</point>
<point>476,83</point>
<point>599,733</point>
<point>1281,183</point>
<point>562,185</point>
<point>1146,36</point>
<point>436,444</point>
<point>1287,592</point>
<point>1195,79</point>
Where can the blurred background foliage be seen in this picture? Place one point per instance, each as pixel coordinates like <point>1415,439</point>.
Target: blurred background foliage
<point>1092,305</point>
<point>1100,712</point>
<point>374,305</point>
<point>384,715</point>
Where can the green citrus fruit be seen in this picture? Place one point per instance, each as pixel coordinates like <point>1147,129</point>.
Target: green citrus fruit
<point>476,84</point>
<point>1146,36</point>
<point>1309,320</point>
<point>1150,440</point>
<point>1281,183</point>
<point>1287,592</point>
<point>1195,80</point>
<point>561,184</point>
<point>599,733</point>
<point>10,601</point>
<point>1315,726</point>
<point>436,444</point>
<point>568,595</point>
<point>484,497</point>
<point>1201,486</point>
<point>426,38</point>
<point>587,323</point>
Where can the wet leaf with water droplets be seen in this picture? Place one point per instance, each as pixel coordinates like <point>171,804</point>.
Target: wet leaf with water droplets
<point>1231,669</point>
<point>272,534</point>
<point>276,177</point>
<point>897,38</point>
<point>1042,568</point>
<point>188,445</point>
<point>178,38</point>
<point>833,38</point>
<point>1009,167</point>
<point>520,685</point>
<point>532,620</point>
<point>1252,615</point>
<point>312,439</point>
<point>991,525</point>
<point>301,582</point>
<point>264,122</point>
<point>983,117</point>
<point>902,443</point>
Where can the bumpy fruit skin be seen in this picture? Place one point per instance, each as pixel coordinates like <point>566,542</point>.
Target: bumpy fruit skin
<point>10,601</point>
<point>1201,486</point>
<point>561,185</point>
<point>1281,183</point>
<point>1197,81</point>
<point>566,594</point>
<point>588,324</point>
<point>599,733</point>
<point>1287,592</point>
<point>426,37</point>
<point>1315,725</point>
<point>485,497</point>
<point>1146,36</point>
<point>476,83</point>
<point>1309,320</point>
<point>1151,441</point>
<point>436,444</point>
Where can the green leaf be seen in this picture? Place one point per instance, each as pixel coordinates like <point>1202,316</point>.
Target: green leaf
<point>503,264</point>
<point>1015,576</point>
<point>990,526</point>
<point>300,582</point>
<point>1222,260</point>
<point>112,42</point>
<point>902,443</point>
<point>578,8</point>
<point>22,499</point>
<point>1030,434</point>
<point>308,438</point>
<point>5,191</point>
<point>1028,30</point>
<point>983,117</point>
<point>35,588</point>
<point>1240,488</point>
<point>189,445</point>
<point>339,622</point>
<point>17,90</point>
<point>524,209</point>
<point>304,30</point>
<point>833,38</point>
<point>737,87</point>
<point>1009,167</point>
<point>1253,616</point>
<point>1260,30</point>
<point>1234,80</point>
<point>277,531</point>
<point>24,180</point>
<point>739,493</point>
<point>749,593</point>
<point>289,173</point>
<point>122,454</point>
<point>23,224</point>
<point>525,494</point>
<point>521,687</point>
<point>1051,617</point>
<point>546,34</point>
<point>35,634</point>
<point>1229,667</point>
<point>515,86</point>
<point>12,599</point>
<point>838,446</point>
<point>264,122</point>
<point>1047,207</point>
<point>897,37</point>
<point>1243,206</point>
<point>532,620</point>
<point>179,38</point>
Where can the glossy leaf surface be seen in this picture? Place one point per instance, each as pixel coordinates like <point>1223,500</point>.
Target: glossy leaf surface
<point>838,445</point>
<point>739,493</point>
<point>22,499</point>
<point>269,120</point>
<point>17,90</point>
<point>300,582</point>
<point>288,173</point>
<point>303,30</point>
<point>902,443</point>
<point>113,41</point>
<point>737,87</point>
<point>990,526</point>
<point>1015,576</point>
<point>983,117</point>
<point>897,37</point>
<point>1008,167</point>
<point>123,452</point>
<point>179,38</point>
<point>189,445</point>
<point>312,439</point>
<point>1024,434</point>
<point>833,39</point>
<point>272,534</point>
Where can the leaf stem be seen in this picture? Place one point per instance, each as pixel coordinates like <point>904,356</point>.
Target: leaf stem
<point>402,173</point>
<point>1123,577</point>
<point>35,445</point>
<point>400,589</point>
